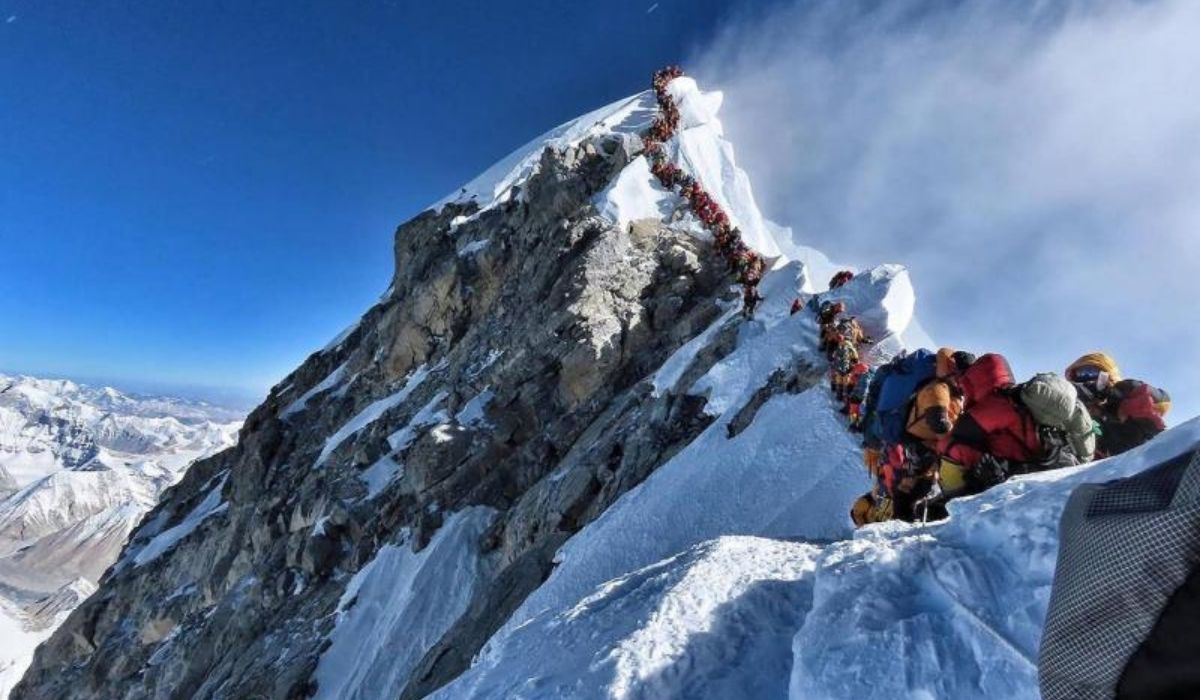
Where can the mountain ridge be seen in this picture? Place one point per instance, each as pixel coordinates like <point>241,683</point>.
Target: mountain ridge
<point>556,409</point>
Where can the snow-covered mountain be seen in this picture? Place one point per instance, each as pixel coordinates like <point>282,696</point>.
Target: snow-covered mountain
<point>79,467</point>
<point>555,461</point>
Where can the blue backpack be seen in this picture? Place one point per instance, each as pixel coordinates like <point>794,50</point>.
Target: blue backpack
<point>886,409</point>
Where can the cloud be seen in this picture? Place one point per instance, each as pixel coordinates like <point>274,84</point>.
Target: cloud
<point>1036,166</point>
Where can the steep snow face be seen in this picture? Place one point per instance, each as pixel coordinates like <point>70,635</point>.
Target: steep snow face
<point>715,621</point>
<point>701,150</point>
<point>399,606</point>
<point>948,610</point>
<point>499,183</point>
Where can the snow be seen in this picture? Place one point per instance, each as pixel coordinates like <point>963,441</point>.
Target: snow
<point>428,415</point>
<point>18,647</point>
<point>341,337</point>
<point>882,299</point>
<point>55,502</point>
<point>372,413</point>
<point>404,602</point>
<point>473,412</point>
<point>333,379</point>
<point>631,115</point>
<point>671,371</point>
<point>636,194</point>
<point>487,362</point>
<point>474,247</point>
<point>209,506</point>
<point>666,631</point>
<point>700,149</point>
<point>380,474</point>
<point>47,426</point>
<point>26,624</point>
<point>946,610</point>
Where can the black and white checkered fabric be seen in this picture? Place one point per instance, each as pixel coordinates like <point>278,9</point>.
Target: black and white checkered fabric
<point>1124,548</point>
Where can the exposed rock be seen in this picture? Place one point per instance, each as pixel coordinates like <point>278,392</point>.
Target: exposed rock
<point>504,368</point>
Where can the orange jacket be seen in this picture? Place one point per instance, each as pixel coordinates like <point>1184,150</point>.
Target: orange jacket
<point>934,412</point>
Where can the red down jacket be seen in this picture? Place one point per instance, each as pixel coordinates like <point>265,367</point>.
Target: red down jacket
<point>991,423</point>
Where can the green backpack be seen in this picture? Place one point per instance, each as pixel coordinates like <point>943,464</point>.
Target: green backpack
<point>1054,403</point>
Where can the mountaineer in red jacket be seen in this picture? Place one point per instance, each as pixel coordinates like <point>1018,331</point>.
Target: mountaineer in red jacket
<point>994,437</point>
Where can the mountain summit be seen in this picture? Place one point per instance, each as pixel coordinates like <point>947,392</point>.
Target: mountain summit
<point>555,460</point>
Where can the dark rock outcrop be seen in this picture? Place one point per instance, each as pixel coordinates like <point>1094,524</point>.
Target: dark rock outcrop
<point>504,368</point>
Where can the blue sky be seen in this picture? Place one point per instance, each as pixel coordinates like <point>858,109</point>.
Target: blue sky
<point>197,195</point>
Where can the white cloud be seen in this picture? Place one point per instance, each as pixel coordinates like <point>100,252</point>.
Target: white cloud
<point>1037,166</point>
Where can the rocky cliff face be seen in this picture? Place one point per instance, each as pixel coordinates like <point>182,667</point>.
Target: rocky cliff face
<point>501,375</point>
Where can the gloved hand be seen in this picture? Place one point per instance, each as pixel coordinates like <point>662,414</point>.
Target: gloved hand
<point>990,471</point>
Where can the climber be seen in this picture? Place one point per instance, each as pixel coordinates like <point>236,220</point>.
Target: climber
<point>827,317</point>
<point>751,298</point>
<point>841,278</point>
<point>886,407</point>
<point>850,329</point>
<point>905,487</point>
<point>995,436</point>
<point>1129,412</point>
<point>842,360</point>
<point>900,466</point>
<point>863,374</point>
<point>797,306</point>
<point>909,474</point>
<point>938,402</point>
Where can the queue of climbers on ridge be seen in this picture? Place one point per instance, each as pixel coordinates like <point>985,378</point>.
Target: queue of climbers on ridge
<point>944,424</point>
<point>747,266</point>
<point>935,425</point>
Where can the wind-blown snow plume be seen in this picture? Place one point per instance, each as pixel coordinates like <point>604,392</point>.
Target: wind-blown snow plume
<point>1035,166</point>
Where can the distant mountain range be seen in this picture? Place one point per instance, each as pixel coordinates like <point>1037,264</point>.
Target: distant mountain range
<point>79,466</point>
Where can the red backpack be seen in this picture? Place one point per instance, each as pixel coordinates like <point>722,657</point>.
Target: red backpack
<point>984,377</point>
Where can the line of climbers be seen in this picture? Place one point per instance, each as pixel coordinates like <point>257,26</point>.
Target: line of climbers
<point>939,425</point>
<point>747,265</point>
<point>935,425</point>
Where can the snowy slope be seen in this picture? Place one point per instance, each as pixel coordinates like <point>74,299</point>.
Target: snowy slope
<point>701,150</point>
<point>789,474</point>
<point>948,610</point>
<point>498,183</point>
<point>397,607</point>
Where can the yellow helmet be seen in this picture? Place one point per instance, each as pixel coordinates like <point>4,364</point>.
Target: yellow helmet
<point>1099,360</point>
